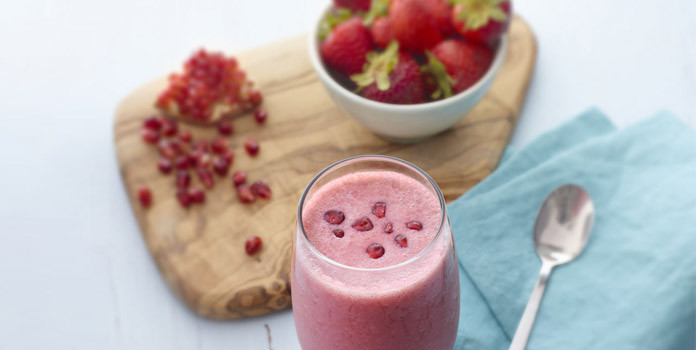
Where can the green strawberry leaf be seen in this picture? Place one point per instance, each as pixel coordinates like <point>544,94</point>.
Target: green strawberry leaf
<point>331,20</point>
<point>377,8</point>
<point>477,13</point>
<point>378,67</point>
<point>439,72</point>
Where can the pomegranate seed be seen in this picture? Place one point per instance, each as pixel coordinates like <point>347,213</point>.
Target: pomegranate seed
<point>221,166</point>
<point>167,149</point>
<point>185,137</point>
<point>164,165</point>
<point>201,145</point>
<point>363,224</point>
<point>201,159</point>
<point>260,189</point>
<point>169,127</point>
<point>334,217</point>
<point>145,197</point>
<point>252,146</point>
<point>183,196</point>
<point>228,155</point>
<point>239,177</point>
<point>338,233</point>
<point>414,225</point>
<point>152,123</point>
<point>375,250</point>
<point>196,195</point>
<point>260,115</point>
<point>255,96</point>
<point>206,177</point>
<point>182,162</point>
<point>252,245</point>
<point>183,179</point>
<point>225,128</point>
<point>150,136</point>
<point>244,193</point>
<point>389,228</point>
<point>401,240</point>
<point>219,146</point>
<point>379,209</point>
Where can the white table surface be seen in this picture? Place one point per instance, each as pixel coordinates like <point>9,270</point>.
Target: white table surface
<point>74,271</point>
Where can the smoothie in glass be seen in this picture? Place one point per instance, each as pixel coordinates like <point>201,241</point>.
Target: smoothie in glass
<point>373,262</point>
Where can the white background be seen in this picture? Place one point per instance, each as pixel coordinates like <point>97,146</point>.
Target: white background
<point>74,271</point>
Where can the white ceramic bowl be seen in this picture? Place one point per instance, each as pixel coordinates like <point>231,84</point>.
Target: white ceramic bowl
<point>404,123</point>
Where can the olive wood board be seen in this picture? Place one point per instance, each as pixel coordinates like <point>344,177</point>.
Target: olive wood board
<point>200,250</point>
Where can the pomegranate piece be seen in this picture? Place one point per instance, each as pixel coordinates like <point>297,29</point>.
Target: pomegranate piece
<point>252,146</point>
<point>221,166</point>
<point>183,179</point>
<point>253,244</point>
<point>150,136</point>
<point>202,145</point>
<point>169,127</point>
<point>260,189</point>
<point>260,115</point>
<point>334,217</point>
<point>184,198</point>
<point>167,149</point>
<point>379,209</point>
<point>238,178</point>
<point>219,146</point>
<point>152,123</point>
<point>228,155</point>
<point>182,162</point>
<point>401,240</point>
<point>389,228</point>
<point>145,197</point>
<point>244,194</point>
<point>414,225</point>
<point>165,165</point>
<point>185,137</point>
<point>200,159</point>
<point>225,128</point>
<point>206,177</point>
<point>363,224</point>
<point>338,233</point>
<point>196,195</point>
<point>375,250</point>
<point>255,96</point>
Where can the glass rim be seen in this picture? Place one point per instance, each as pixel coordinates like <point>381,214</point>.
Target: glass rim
<point>423,251</point>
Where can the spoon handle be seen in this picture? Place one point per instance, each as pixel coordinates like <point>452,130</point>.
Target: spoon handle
<point>524,328</point>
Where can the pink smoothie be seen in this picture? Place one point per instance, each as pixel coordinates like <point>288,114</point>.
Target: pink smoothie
<point>404,298</point>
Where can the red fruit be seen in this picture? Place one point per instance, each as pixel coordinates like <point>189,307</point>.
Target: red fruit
<point>167,149</point>
<point>260,189</point>
<point>391,77</point>
<point>239,178</point>
<point>196,195</point>
<point>381,31</point>
<point>401,240</point>
<point>221,166</point>
<point>363,224</point>
<point>169,127</point>
<point>255,96</point>
<point>338,233</point>
<point>152,123</point>
<point>145,197</point>
<point>389,228</point>
<point>185,137</point>
<point>200,159</point>
<point>150,135</point>
<point>182,162</point>
<point>219,146</point>
<point>353,5</point>
<point>414,225</point>
<point>202,145</point>
<point>252,245</point>
<point>184,198</point>
<point>260,115</point>
<point>441,13</point>
<point>413,26</point>
<point>183,179</point>
<point>244,193</point>
<point>345,48</point>
<point>164,165</point>
<point>225,127</point>
<point>228,155</point>
<point>375,250</point>
<point>206,177</point>
<point>334,217</point>
<point>483,21</point>
<point>379,209</point>
<point>465,62</point>
<point>252,146</point>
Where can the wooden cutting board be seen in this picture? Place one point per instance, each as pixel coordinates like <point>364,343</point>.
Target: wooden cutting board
<point>200,251</point>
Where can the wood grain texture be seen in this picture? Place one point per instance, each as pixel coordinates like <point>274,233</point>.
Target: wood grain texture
<point>200,251</point>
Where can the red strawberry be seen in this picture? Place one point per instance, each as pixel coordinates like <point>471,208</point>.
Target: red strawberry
<point>465,63</point>
<point>441,12</point>
<point>391,77</point>
<point>345,48</point>
<point>353,5</point>
<point>481,20</point>
<point>413,26</point>
<point>381,31</point>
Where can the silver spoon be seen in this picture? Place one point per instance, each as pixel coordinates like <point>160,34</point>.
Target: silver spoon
<point>562,228</point>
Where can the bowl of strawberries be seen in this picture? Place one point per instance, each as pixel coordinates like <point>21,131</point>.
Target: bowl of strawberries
<point>409,69</point>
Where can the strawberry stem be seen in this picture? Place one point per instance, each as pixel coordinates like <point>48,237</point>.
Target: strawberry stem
<point>443,80</point>
<point>378,67</point>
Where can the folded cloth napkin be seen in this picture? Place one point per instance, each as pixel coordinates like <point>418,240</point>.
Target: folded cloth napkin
<point>634,286</point>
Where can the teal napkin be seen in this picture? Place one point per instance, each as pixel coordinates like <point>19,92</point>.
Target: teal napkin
<point>634,287</point>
